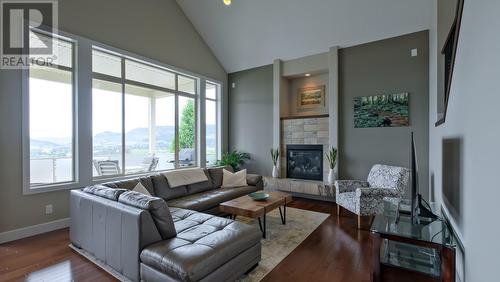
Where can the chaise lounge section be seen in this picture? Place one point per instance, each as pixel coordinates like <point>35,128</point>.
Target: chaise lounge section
<point>151,239</point>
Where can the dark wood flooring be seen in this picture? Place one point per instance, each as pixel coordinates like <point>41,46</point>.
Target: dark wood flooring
<point>335,251</point>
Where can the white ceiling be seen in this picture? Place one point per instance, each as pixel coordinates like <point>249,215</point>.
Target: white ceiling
<point>252,33</point>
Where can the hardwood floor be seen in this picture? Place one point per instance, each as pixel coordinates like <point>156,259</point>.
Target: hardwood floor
<point>335,251</point>
<point>47,257</point>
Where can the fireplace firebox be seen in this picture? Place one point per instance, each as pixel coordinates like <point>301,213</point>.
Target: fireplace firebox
<point>304,162</point>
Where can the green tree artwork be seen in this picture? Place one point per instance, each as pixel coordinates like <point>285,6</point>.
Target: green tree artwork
<point>381,111</point>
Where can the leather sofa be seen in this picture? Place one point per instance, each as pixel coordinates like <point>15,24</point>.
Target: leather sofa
<point>174,236</point>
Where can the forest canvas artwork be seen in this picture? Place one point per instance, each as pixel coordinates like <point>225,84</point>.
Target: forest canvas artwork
<point>381,111</point>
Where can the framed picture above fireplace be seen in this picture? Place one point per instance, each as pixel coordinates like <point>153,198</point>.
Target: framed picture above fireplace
<point>311,97</point>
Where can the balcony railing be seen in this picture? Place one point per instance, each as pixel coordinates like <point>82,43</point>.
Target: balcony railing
<point>51,170</point>
<point>60,169</point>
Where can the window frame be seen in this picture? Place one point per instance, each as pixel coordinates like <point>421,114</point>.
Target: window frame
<point>28,188</point>
<point>82,110</point>
<point>123,81</point>
<point>218,119</point>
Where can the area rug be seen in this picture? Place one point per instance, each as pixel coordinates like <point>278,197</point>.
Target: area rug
<point>281,239</point>
<point>280,242</point>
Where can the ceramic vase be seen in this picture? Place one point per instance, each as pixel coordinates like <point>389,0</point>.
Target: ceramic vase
<point>331,177</point>
<point>275,171</point>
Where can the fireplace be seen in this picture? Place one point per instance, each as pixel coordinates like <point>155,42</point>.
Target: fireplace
<point>304,162</point>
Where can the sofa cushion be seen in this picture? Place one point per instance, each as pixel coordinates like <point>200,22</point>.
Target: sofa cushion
<point>130,184</point>
<point>156,206</point>
<point>203,244</point>
<point>210,199</point>
<point>163,190</point>
<point>147,182</point>
<point>254,179</point>
<point>201,186</point>
<point>105,192</point>
<point>216,175</point>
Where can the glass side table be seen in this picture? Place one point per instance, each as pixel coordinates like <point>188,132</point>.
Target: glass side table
<point>427,248</point>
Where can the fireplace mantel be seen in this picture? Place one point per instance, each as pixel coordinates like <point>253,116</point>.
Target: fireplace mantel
<point>303,117</point>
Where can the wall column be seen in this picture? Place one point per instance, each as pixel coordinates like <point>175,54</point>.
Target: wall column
<point>277,69</point>
<point>333,100</point>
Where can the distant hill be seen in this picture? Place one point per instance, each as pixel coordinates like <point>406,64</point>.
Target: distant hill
<point>136,135</point>
<point>35,143</point>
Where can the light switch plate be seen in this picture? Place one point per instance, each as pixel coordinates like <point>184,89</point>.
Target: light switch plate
<point>414,52</point>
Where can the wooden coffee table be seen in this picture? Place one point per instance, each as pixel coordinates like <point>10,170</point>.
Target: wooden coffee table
<point>247,207</point>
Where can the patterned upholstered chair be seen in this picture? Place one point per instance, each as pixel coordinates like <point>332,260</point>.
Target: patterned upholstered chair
<point>365,198</point>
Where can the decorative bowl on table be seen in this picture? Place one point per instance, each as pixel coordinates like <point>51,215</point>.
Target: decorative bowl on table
<point>259,196</point>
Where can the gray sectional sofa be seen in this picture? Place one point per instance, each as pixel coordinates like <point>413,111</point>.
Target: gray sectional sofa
<point>176,235</point>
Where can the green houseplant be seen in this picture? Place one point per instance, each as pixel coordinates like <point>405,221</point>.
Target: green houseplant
<point>234,159</point>
<point>331,157</point>
<point>275,155</point>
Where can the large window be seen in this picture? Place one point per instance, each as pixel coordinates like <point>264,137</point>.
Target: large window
<point>51,116</point>
<point>107,125</point>
<point>97,113</point>
<point>212,123</point>
<point>144,116</point>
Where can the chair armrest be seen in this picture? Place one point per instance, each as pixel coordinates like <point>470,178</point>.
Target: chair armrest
<point>343,186</point>
<point>373,192</point>
<point>255,180</point>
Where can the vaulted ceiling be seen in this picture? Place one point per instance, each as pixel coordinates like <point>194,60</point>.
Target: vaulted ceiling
<point>252,33</point>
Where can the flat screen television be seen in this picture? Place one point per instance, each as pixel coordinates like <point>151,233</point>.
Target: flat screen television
<point>417,209</point>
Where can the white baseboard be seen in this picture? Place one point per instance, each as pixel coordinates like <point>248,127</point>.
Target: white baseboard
<point>24,232</point>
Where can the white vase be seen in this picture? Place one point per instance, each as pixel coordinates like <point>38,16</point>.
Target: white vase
<point>331,177</point>
<point>275,171</point>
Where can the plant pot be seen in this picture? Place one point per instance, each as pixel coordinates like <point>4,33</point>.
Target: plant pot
<point>331,177</point>
<point>275,172</point>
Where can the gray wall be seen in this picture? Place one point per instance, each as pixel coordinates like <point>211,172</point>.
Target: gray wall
<point>294,84</point>
<point>380,67</point>
<point>384,67</point>
<point>251,116</point>
<point>465,150</point>
<point>153,28</point>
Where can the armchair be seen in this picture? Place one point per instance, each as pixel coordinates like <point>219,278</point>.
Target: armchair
<point>364,198</point>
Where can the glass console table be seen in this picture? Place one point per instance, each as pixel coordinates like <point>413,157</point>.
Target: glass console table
<point>427,248</point>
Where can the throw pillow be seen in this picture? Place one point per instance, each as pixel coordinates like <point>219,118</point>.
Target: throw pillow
<point>141,189</point>
<point>231,180</point>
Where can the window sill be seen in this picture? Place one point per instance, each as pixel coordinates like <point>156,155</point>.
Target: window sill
<point>32,190</point>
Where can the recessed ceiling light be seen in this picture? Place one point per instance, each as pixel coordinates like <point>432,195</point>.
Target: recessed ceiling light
<point>308,74</point>
<point>227,2</point>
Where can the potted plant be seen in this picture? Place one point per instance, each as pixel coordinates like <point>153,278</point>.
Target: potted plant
<point>234,159</point>
<point>331,156</point>
<point>275,155</point>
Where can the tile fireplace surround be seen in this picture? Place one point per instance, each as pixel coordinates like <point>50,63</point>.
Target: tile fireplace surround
<point>300,131</point>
